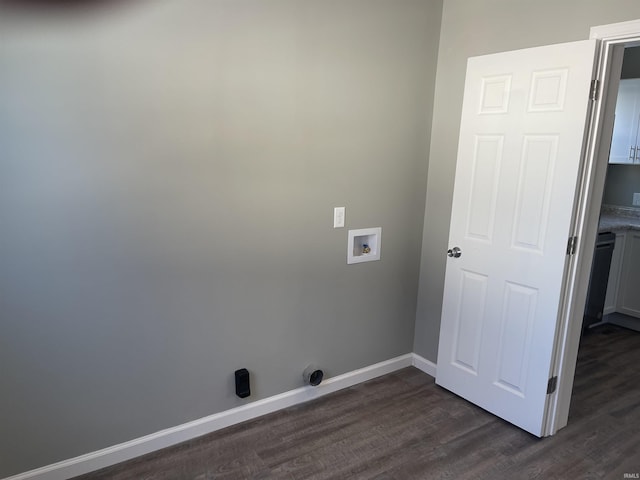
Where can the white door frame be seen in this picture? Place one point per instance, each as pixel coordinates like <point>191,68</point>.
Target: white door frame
<point>611,41</point>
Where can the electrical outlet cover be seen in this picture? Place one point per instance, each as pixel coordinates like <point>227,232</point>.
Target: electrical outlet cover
<point>338,217</point>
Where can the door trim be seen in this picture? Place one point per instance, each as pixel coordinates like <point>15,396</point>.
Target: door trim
<point>611,41</point>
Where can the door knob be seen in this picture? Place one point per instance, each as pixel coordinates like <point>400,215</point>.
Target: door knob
<point>454,252</point>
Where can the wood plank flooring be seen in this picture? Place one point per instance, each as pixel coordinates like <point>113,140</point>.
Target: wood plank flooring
<point>403,426</point>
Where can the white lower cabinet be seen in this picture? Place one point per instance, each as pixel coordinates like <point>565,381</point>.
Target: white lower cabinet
<point>610,302</point>
<point>628,297</point>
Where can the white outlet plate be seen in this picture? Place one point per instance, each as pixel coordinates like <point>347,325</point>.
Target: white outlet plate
<point>636,199</point>
<point>338,217</point>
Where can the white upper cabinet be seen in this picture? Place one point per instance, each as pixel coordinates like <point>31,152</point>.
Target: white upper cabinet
<point>625,144</point>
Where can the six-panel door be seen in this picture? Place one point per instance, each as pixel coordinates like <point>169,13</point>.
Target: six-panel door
<point>523,122</point>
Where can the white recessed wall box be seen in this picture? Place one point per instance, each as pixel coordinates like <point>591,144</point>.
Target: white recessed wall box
<point>364,245</point>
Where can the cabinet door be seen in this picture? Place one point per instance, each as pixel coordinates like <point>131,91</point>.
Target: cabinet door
<point>628,298</point>
<point>625,127</point>
<point>614,275</point>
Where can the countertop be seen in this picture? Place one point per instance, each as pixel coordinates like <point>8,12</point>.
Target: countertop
<point>613,218</point>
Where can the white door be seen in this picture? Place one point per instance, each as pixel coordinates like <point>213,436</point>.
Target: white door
<point>523,122</point>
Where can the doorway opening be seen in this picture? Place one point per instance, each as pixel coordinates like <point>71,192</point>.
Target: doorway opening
<point>613,40</point>
<point>612,296</point>
<point>612,318</point>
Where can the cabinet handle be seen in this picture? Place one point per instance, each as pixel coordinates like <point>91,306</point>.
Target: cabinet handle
<point>636,158</point>
<point>632,153</point>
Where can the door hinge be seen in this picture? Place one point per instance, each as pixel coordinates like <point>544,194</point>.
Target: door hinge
<point>594,93</point>
<point>572,245</point>
<point>552,384</point>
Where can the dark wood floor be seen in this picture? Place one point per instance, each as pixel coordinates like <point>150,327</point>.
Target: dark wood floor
<point>402,426</point>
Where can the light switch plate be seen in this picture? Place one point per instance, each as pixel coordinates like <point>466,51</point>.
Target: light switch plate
<point>338,217</point>
<point>636,199</point>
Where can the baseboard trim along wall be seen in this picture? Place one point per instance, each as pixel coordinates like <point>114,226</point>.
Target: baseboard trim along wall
<point>187,431</point>
<point>427,366</point>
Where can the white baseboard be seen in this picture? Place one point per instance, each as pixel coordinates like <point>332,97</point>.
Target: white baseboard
<point>187,431</point>
<point>427,366</point>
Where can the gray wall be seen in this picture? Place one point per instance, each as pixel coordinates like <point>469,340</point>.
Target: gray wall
<point>622,182</point>
<point>168,172</point>
<point>472,28</point>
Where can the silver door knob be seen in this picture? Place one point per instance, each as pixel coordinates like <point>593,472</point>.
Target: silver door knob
<point>454,252</point>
